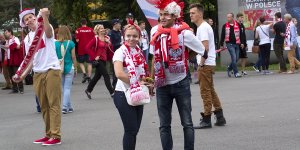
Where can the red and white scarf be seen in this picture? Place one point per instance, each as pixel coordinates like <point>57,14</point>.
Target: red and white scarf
<point>168,53</point>
<point>236,30</point>
<point>135,62</point>
<point>287,39</point>
<point>37,44</point>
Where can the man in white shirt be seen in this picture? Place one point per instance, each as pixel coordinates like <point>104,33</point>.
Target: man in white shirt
<point>47,77</point>
<point>206,70</point>
<point>144,41</point>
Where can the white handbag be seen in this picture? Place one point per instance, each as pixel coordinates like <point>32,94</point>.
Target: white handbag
<point>140,102</point>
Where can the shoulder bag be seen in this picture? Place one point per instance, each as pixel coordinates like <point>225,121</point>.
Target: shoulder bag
<point>63,53</point>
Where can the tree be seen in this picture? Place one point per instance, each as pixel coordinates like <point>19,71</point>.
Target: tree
<point>9,10</point>
<point>70,12</point>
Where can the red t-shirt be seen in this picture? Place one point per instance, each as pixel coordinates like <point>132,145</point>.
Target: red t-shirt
<point>84,35</point>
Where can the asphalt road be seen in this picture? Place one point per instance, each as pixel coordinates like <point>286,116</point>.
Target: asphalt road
<point>262,113</point>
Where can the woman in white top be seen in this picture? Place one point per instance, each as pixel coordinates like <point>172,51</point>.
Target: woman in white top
<point>130,57</point>
<point>262,33</point>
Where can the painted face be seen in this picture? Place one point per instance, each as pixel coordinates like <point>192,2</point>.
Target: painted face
<point>29,20</point>
<point>132,37</point>
<point>195,15</point>
<point>166,20</point>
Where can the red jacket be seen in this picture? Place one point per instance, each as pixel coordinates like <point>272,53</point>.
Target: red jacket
<point>102,49</point>
<point>16,55</point>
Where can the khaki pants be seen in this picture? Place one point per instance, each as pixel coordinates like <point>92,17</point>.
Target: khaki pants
<point>292,59</point>
<point>208,93</point>
<point>47,87</point>
<point>6,76</point>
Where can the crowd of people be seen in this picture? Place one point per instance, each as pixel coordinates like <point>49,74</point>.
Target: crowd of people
<point>233,34</point>
<point>53,57</point>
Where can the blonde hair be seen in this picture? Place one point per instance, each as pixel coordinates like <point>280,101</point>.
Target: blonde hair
<point>97,28</point>
<point>288,16</point>
<point>63,33</point>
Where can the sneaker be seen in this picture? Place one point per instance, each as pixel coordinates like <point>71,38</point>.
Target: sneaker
<point>52,141</point>
<point>197,82</point>
<point>41,140</point>
<point>71,110</point>
<point>268,72</point>
<point>290,72</point>
<point>244,73</point>
<point>255,68</point>
<point>237,75</point>
<point>84,78</point>
<point>21,91</point>
<point>88,94</point>
<point>64,111</point>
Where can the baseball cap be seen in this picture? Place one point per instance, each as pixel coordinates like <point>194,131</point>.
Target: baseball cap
<point>115,21</point>
<point>129,15</point>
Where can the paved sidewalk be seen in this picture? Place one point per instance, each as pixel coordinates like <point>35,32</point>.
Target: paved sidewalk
<point>262,113</point>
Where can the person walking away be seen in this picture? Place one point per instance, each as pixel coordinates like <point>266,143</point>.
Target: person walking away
<point>65,50</point>
<point>279,29</point>
<point>262,33</point>
<point>84,35</point>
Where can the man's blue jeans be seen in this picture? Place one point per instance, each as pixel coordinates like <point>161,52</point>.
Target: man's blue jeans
<point>181,93</point>
<point>234,51</point>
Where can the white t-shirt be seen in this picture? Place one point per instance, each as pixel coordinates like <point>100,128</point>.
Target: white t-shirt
<point>205,32</point>
<point>10,42</point>
<point>188,39</point>
<point>45,58</point>
<point>119,56</point>
<point>144,40</point>
<point>263,33</point>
